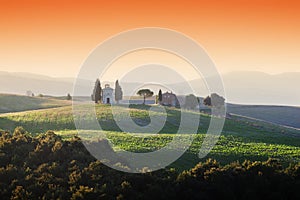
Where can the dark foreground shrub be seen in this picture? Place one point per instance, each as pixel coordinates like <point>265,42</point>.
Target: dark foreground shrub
<point>47,167</point>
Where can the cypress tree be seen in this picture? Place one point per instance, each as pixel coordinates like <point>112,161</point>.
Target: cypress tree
<point>159,96</point>
<point>118,92</point>
<point>96,96</point>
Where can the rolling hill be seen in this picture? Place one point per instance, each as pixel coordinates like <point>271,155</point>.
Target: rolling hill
<point>241,138</point>
<point>283,115</point>
<point>16,103</point>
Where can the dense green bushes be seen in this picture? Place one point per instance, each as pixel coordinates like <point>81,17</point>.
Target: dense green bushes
<point>47,167</point>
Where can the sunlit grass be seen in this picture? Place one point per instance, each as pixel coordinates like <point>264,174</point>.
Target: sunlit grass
<point>240,139</point>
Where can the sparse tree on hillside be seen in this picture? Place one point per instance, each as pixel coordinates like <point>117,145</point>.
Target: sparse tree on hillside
<point>191,101</point>
<point>96,96</point>
<point>207,101</point>
<point>145,93</point>
<point>69,97</point>
<point>215,100</point>
<point>118,92</point>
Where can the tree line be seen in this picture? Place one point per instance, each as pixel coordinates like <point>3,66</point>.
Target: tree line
<point>191,101</point>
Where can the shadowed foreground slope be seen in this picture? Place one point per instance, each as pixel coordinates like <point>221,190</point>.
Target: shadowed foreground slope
<point>48,167</point>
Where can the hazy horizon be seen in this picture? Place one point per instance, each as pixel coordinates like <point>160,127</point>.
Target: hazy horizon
<point>241,87</point>
<point>225,73</point>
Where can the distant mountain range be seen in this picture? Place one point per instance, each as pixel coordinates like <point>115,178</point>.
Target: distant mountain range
<point>241,87</point>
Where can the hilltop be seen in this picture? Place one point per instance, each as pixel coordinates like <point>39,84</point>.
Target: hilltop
<point>16,103</point>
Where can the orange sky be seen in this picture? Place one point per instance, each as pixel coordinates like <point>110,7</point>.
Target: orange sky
<point>53,37</point>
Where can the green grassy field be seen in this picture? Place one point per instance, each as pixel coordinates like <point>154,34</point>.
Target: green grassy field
<point>16,103</point>
<point>241,139</point>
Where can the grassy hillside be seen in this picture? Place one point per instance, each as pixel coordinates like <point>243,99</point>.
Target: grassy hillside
<point>16,103</point>
<point>284,115</point>
<point>241,139</point>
